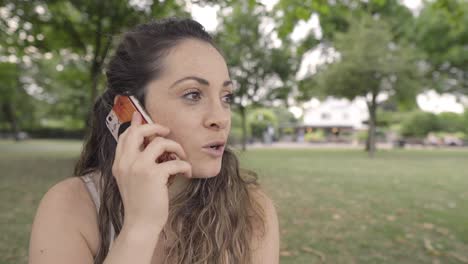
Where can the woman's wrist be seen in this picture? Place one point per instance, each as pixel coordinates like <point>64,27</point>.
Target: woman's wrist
<point>141,232</point>
<point>135,244</point>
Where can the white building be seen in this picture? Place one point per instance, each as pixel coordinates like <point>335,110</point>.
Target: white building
<point>336,119</point>
<point>335,113</point>
<point>339,118</point>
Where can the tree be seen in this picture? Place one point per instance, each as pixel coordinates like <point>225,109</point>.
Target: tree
<point>334,18</point>
<point>86,30</point>
<point>16,52</point>
<point>260,119</point>
<point>252,61</point>
<point>370,64</point>
<point>441,31</point>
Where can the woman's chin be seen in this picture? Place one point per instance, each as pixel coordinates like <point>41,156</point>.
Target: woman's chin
<point>207,173</point>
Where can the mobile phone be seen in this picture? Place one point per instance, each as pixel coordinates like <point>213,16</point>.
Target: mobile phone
<point>120,117</point>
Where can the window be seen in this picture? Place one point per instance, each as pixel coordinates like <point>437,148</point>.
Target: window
<point>326,116</point>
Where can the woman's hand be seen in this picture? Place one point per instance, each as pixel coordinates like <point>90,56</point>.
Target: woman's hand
<point>142,181</point>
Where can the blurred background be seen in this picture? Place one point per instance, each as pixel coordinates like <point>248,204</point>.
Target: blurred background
<point>351,111</point>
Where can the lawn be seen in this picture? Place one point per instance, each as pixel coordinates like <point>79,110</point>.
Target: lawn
<point>334,206</point>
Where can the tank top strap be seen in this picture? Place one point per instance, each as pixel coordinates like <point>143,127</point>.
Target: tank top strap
<point>93,191</point>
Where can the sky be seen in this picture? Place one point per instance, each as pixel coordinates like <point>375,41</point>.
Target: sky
<point>429,101</point>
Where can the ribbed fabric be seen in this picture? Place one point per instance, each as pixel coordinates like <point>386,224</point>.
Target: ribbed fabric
<point>97,202</point>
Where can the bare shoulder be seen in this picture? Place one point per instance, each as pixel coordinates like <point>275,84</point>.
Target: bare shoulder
<point>70,191</point>
<point>64,224</point>
<point>266,247</point>
<point>68,200</point>
<point>262,197</point>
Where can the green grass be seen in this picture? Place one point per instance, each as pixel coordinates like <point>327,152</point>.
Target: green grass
<point>334,205</point>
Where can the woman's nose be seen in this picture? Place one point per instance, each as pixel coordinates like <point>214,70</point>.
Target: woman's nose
<point>218,116</point>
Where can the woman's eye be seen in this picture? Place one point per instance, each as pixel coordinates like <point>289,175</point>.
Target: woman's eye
<point>194,96</point>
<point>230,98</point>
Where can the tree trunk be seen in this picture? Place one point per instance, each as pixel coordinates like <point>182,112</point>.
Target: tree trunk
<point>367,141</point>
<point>244,127</point>
<point>9,112</point>
<point>372,107</point>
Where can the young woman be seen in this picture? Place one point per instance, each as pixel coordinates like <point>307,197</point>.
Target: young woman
<point>120,208</point>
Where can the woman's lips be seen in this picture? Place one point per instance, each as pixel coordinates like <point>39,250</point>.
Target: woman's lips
<point>214,152</point>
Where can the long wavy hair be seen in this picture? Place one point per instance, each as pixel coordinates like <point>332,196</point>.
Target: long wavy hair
<point>213,219</point>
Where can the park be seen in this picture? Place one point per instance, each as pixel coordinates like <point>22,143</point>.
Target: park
<point>352,114</point>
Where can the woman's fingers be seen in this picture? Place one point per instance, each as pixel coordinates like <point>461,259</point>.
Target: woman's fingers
<point>174,167</point>
<point>136,119</point>
<point>137,132</point>
<point>131,140</point>
<point>160,145</point>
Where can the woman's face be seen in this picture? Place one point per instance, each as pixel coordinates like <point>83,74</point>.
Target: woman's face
<point>191,98</point>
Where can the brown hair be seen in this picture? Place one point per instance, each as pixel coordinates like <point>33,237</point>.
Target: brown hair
<point>213,219</point>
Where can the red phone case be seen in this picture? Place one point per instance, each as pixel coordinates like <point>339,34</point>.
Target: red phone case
<point>120,117</point>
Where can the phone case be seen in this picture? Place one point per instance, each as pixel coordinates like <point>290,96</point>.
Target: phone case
<point>120,117</point>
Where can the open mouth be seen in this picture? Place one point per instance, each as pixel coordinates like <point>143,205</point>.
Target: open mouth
<point>216,147</point>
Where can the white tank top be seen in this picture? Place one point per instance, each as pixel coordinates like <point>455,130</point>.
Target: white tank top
<point>93,191</point>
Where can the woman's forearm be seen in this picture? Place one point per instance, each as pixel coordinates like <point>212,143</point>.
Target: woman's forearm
<point>135,244</point>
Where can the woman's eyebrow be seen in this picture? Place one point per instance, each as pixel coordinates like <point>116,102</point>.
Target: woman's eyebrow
<point>199,80</point>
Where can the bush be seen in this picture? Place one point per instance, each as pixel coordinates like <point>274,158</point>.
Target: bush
<point>450,122</point>
<point>236,127</point>
<point>235,136</point>
<point>361,135</point>
<point>316,136</point>
<point>465,122</point>
<point>419,124</point>
<point>259,119</point>
<point>59,133</point>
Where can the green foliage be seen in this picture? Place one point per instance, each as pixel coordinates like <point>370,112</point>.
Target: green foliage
<point>235,136</point>
<point>287,131</point>
<point>419,124</point>
<point>334,18</point>
<point>9,81</point>
<point>371,63</point>
<point>253,63</point>
<point>361,135</point>
<point>295,11</point>
<point>259,119</point>
<point>77,35</point>
<point>236,128</point>
<point>450,122</point>
<point>284,117</point>
<point>465,122</point>
<point>251,58</point>
<point>315,136</point>
<point>441,31</point>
